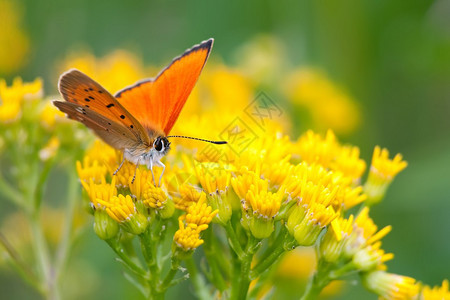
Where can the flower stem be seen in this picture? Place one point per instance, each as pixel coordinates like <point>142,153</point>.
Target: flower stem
<point>233,240</point>
<point>239,289</point>
<point>197,280</point>
<point>121,253</point>
<point>317,281</point>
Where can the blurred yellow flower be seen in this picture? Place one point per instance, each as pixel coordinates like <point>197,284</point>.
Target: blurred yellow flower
<point>114,71</point>
<point>436,292</point>
<point>390,286</point>
<point>12,98</point>
<point>14,40</point>
<point>329,105</point>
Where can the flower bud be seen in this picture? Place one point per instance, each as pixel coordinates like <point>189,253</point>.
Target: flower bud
<point>104,226</point>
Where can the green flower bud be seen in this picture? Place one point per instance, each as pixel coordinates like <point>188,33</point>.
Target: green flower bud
<point>104,226</point>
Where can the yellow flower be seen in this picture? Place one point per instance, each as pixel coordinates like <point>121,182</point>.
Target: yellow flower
<point>196,219</point>
<point>215,180</point>
<point>14,39</point>
<point>188,195</point>
<point>90,169</point>
<point>104,154</point>
<point>114,71</point>
<point>259,205</point>
<point>435,293</point>
<point>199,212</point>
<point>125,174</point>
<point>371,257</point>
<point>382,172</point>
<point>306,223</point>
<point>350,197</point>
<point>50,115</point>
<point>213,177</point>
<point>50,149</point>
<point>362,244</point>
<point>306,192</point>
<point>188,237</point>
<point>390,286</point>
<point>263,203</point>
<point>11,98</point>
<point>312,148</point>
<point>103,191</point>
<point>329,105</point>
<point>334,239</point>
<point>348,163</point>
<point>122,209</point>
<point>150,196</point>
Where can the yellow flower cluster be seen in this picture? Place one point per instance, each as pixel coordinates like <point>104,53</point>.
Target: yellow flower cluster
<point>329,105</point>
<point>12,98</point>
<point>435,293</point>
<point>364,245</point>
<point>262,179</point>
<point>196,220</point>
<point>13,38</point>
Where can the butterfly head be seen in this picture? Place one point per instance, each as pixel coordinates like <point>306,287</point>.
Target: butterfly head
<point>162,145</point>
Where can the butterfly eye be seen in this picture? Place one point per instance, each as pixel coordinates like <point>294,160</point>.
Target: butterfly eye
<point>158,144</point>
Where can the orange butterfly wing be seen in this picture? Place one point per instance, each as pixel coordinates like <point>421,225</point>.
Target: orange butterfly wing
<point>156,103</point>
<point>91,100</point>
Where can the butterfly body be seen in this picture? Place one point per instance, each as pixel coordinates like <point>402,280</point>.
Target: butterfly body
<point>139,118</point>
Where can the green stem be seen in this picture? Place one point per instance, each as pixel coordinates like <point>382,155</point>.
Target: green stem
<point>11,193</point>
<point>317,281</point>
<point>214,255</point>
<point>266,263</point>
<point>313,289</point>
<point>240,289</point>
<point>20,265</point>
<point>121,253</point>
<point>63,249</point>
<point>234,242</point>
<point>197,280</point>
<point>167,282</point>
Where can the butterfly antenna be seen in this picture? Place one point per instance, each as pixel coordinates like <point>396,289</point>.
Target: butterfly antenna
<point>197,139</point>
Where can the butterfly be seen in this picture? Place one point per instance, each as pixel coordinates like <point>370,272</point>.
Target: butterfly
<point>138,119</point>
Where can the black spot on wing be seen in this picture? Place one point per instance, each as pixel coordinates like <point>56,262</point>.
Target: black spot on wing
<point>110,105</point>
<point>122,117</point>
<point>92,98</point>
<point>87,99</point>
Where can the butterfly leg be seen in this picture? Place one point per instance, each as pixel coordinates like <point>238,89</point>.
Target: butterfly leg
<point>151,170</point>
<point>120,166</point>
<point>164,168</point>
<point>135,170</point>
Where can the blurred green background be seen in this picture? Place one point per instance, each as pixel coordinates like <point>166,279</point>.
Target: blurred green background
<point>392,57</point>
